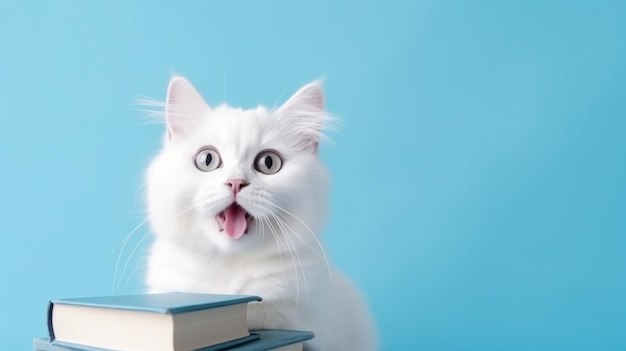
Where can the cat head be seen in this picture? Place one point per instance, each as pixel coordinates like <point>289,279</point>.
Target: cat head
<point>233,180</point>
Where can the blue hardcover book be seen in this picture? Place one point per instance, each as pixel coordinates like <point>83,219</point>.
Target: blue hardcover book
<point>150,322</point>
<point>283,340</point>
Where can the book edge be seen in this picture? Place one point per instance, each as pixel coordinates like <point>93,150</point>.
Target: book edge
<point>286,337</point>
<point>42,344</point>
<point>236,299</point>
<point>231,343</point>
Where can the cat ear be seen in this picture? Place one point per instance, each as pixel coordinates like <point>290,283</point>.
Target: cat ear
<point>310,95</point>
<point>305,115</point>
<point>184,108</point>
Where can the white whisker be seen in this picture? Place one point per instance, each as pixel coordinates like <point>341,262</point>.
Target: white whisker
<point>154,111</point>
<point>319,244</point>
<point>137,263</point>
<point>224,83</point>
<point>119,256</point>
<point>264,219</point>
<point>293,259</point>
<point>296,253</point>
<point>286,86</point>
<point>132,253</point>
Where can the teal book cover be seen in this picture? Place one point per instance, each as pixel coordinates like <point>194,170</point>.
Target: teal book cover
<point>273,339</point>
<point>44,344</point>
<point>172,303</point>
<point>264,340</point>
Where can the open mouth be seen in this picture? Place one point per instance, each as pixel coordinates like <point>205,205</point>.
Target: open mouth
<point>234,220</point>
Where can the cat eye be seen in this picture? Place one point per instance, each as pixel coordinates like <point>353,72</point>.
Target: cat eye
<point>208,159</point>
<point>268,162</point>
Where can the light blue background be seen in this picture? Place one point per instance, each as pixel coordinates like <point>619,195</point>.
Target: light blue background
<point>479,194</point>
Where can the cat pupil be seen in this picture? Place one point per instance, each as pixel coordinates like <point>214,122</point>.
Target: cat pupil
<point>268,162</point>
<point>209,158</point>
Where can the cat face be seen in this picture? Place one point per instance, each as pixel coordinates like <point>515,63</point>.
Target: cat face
<point>233,180</point>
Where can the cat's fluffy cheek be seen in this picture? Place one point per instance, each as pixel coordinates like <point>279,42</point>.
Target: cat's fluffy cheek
<point>168,198</point>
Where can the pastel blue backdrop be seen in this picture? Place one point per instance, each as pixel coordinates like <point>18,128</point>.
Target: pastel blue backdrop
<point>479,194</point>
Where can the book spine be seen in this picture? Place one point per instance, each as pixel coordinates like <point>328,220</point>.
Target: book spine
<point>50,328</point>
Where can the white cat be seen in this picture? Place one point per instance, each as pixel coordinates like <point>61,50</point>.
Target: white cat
<point>237,202</point>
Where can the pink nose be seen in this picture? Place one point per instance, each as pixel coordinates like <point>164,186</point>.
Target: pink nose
<point>236,185</point>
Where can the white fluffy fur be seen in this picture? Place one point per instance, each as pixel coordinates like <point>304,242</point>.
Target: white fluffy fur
<point>281,258</point>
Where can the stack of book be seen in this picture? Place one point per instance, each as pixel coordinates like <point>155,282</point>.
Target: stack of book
<point>160,322</point>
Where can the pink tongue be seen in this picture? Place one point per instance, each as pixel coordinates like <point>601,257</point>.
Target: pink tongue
<point>235,221</point>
